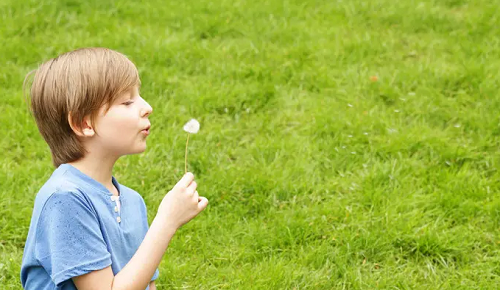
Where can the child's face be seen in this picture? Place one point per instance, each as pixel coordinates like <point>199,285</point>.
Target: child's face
<point>124,127</point>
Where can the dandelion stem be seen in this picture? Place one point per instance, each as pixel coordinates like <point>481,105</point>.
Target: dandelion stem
<point>186,156</point>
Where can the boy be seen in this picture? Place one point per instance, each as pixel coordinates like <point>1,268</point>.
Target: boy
<point>88,231</point>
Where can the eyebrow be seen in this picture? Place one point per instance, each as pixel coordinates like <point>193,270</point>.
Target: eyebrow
<point>125,97</point>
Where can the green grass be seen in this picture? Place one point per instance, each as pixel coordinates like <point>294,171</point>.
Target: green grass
<point>317,176</point>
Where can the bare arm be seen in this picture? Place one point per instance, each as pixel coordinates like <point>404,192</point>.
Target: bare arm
<point>179,206</point>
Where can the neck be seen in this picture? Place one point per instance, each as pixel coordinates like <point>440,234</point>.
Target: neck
<point>99,169</point>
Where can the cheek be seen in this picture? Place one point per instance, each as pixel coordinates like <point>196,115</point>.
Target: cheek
<point>116,125</point>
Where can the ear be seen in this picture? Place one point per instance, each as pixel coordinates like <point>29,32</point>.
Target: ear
<point>84,129</point>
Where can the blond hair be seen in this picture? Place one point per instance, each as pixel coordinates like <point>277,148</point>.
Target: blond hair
<point>76,84</point>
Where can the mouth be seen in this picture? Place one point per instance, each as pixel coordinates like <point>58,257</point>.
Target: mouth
<point>146,130</point>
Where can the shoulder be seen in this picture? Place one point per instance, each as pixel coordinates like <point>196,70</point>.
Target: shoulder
<point>62,184</point>
<point>67,205</point>
<point>60,191</point>
<point>68,197</point>
<point>63,194</point>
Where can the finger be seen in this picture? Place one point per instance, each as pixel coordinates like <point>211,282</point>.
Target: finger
<point>185,180</point>
<point>191,188</point>
<point>196,196</point>
<point>202,204</point>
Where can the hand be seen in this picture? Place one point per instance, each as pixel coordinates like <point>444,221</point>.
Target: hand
<point>182,203</point>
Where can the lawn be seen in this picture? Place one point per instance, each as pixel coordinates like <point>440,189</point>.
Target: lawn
<point>344,144</point>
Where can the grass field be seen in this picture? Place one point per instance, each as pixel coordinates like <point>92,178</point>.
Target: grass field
<point>345,144</point>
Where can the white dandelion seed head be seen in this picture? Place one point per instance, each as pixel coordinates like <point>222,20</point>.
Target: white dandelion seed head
<point>193,126</point>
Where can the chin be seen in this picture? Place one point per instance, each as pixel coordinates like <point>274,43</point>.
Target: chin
<point>141,150</point>
<point>136,151</point>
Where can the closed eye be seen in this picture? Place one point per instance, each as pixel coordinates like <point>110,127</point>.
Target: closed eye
<point>128,103</point>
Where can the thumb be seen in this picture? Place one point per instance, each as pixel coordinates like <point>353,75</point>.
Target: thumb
<point>202,203</point>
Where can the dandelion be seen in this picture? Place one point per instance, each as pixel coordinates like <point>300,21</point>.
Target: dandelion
<point>191,127</point>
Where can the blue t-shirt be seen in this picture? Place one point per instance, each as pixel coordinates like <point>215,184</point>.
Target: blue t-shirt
<point>77,227</point>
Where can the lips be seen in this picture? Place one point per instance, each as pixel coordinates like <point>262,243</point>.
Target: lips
<point>146,130</point>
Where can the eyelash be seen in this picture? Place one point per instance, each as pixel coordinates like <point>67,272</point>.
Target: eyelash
<point>128,103</point>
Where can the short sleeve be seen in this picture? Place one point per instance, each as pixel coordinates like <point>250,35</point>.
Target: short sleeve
<point>69,242</point>
<point>156,274</point>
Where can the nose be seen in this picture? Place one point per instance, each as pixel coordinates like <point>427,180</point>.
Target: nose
<point>146,109</point>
